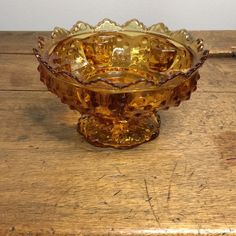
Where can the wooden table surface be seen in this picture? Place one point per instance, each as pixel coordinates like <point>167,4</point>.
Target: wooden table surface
<point>52,182</point>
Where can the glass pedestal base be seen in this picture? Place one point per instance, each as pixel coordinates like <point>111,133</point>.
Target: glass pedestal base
<point>117,132</point>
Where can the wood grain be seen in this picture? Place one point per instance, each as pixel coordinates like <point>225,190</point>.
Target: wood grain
<point>52,182</point>
<point>218,42</point>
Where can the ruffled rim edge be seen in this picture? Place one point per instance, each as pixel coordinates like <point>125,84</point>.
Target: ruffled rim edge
<point>106,25</point>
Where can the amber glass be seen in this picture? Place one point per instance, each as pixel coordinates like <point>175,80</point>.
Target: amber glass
<point>118,77</point>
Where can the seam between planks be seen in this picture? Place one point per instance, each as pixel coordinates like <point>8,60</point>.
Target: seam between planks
<point>44,90</point>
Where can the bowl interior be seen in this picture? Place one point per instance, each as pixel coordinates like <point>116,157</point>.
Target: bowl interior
<point>121,58</point>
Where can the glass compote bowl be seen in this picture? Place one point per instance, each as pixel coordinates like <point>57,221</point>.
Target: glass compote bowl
<point>118,77</point>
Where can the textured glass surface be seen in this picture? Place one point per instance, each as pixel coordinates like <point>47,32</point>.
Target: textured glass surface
<point>118,77</point>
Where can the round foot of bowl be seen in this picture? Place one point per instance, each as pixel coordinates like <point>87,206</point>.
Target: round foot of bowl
<point>122,134</point>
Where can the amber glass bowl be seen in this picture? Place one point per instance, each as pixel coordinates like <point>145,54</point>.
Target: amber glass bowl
<point>118,77</point>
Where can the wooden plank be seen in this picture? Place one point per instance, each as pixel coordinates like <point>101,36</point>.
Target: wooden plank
<point>53,182</point>
<point>19,72</point>
<point>218,42</point>
<point>222,43</point>
<point>19,42</point>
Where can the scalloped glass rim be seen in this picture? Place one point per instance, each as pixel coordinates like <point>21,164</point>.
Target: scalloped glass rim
<point>182,36</point>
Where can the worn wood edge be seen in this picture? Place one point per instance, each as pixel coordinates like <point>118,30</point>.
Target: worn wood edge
<point>14,231</point>
<point>222,54</point>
